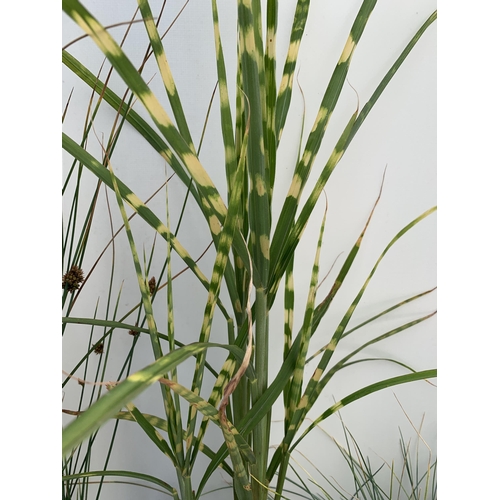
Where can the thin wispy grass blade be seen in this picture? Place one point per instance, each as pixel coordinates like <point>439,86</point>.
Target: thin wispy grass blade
<point>236,351</point>
<point>323,307</point>
<point>390,309</point>
<point>377,316</point>
<point>388,77</point>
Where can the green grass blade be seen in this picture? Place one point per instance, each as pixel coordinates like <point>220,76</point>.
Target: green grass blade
<point>123,473</point>
<point>144,212</point>
<point>221,260</point>
<point>306,329</point>
<point>270,79</point>
<point>107,406</point>
<point>259,214</point>
<point>133,79</point>
<point>166,74</point>
<point>338,366</point>
<point>311,392</point>
<point>388,77</point>
<point>142,127</point>
<point>151,432</point>
<point>225,110</point>
<point>239,469</point>
<point>281,252</point>
<point>141,277</point>
<point>288,330</point>
<point>365,391</point>
<point>298,373</point>
<point>285,89</point>
<point>328,104</point>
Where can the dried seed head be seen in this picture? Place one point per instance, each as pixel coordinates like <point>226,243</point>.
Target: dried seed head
<point>72,279</point>
<point>152,285</point>
<point>99,348</point>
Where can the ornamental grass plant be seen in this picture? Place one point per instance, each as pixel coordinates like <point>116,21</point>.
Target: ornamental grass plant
<point>196,311</point>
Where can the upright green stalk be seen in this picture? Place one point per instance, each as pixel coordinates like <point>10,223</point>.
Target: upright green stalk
<point>259,217</point>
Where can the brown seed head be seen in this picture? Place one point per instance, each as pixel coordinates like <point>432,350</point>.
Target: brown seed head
<point>152,285</point>
<point>72,279</point>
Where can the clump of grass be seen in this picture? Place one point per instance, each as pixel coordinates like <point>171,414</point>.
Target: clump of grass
<point>409,477</point>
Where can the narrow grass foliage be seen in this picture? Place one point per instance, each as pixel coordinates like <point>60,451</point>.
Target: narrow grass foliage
<point>250,268</point>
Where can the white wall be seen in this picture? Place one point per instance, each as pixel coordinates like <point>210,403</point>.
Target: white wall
<point>400,133</point>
